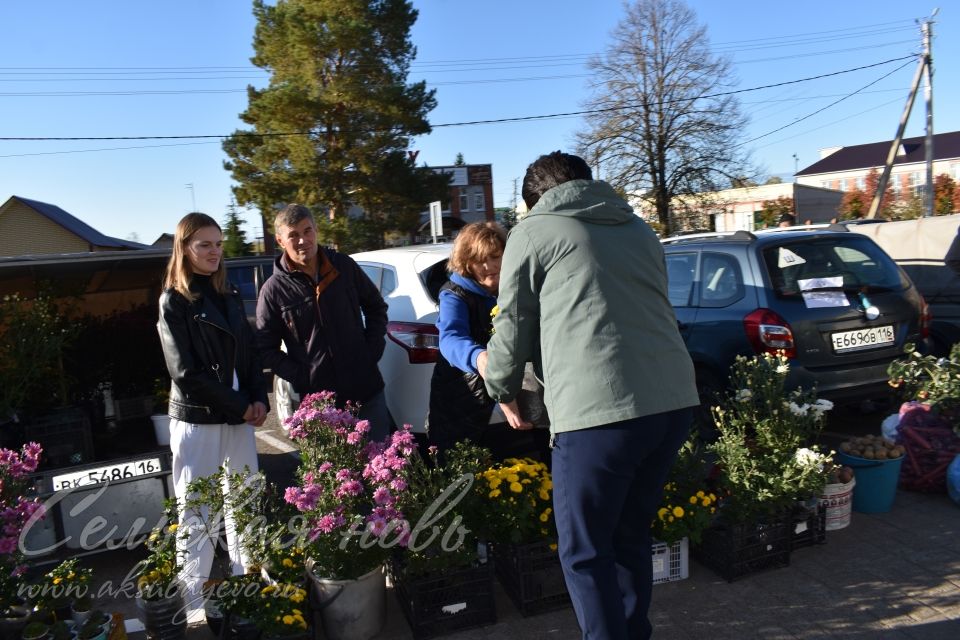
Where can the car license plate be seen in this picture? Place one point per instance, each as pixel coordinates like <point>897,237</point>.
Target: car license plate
<point>107,473</point>
<point>862,338</point>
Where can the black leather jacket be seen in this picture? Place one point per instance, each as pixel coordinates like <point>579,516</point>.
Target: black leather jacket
<point>202,349</point>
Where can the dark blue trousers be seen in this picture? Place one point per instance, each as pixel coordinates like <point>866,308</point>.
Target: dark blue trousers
<point>607,485</point>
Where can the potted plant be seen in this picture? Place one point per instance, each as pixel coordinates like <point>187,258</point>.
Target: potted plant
<point>91,631</point>
<point>517,520</point>
<point>439,562</point>
<point>16,509</point>
<point>766,462</point>
<point>239,597</point>
<point>160,416</point>
<point>65,589</point>
<point>271,610</point>
<point>347,492</point>
<point>160,601</point>
<point>35,631</point>
<point>62,630</point>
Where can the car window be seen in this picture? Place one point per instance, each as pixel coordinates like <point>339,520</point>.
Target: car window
<point>389,282</point>
<point>680,271</point>
<point>721,281</point>
<point>859,264</point>
<point>435,277</point>
<point>373,272</point>
<point>243,279</point>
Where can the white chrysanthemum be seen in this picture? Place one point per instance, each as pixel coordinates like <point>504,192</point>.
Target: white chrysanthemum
<point>806,457</point>
<point>783,368</point>
<point>798,409</point>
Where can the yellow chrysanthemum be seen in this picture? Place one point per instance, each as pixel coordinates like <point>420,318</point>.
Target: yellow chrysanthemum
<point>516,487</point>
<point>288,619</point>
<point>494,494</point>
<point>544,516</point>
<point>693,499</point>
<point>553,547</point>
<point>172,528</point>
<point>700,494</point>
<point>513,477</point>
<point>287,562</point>
<point>705,502</point>
<point>544,495</point>
<point>662,513</point>
<point>678,511</point>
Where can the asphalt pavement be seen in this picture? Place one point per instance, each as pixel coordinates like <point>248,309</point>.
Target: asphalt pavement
<point>890,575</point>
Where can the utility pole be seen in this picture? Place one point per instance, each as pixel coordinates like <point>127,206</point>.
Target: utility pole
<point>925,62</point>
<point>796,163</point>
<point>515,181</point>
<point>928,99</point>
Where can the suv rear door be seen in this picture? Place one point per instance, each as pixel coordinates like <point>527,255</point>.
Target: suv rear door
<point>829,289</point>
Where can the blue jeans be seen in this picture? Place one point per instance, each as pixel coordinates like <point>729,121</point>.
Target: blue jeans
<point>607,485</point>
<point>375,410</point>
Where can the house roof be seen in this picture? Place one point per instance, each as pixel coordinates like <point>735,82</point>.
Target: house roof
<point>78,227</point>
<point>874,154</point>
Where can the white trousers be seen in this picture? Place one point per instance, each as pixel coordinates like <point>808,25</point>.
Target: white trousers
<point>199,450</point>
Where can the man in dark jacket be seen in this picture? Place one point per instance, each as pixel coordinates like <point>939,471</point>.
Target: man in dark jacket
<point>330,318</point>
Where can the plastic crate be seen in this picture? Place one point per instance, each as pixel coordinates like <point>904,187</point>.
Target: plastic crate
<point>532,577</point>
<point>809,527</point>
<point>734,551</point>
<point>64,435</point>
<point>671,562</point>
<point>436,605</point>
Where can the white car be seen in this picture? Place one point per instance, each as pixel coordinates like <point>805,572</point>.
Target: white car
<point>409,279</point>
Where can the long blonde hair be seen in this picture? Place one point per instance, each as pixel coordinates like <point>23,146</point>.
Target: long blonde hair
<point>179,272</point>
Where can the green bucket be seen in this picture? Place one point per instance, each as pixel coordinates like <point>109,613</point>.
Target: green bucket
<point>876,482</point>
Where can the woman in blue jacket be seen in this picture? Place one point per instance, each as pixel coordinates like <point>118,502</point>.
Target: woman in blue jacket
<point>460,407</point>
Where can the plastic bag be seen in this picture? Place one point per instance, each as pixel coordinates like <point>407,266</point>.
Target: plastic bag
<point>953,480</point>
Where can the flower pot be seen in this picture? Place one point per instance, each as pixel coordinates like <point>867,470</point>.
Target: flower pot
<point>241,628</point>
<point>164,618</point>
<point>13,622</point>
<point>29,634</point>
<point>211,606</point>
<point>350,609</point>
<point>837,499</point>
<point>79,616</point>
<point>161,428</point>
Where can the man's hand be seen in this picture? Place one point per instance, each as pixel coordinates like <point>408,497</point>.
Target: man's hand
<point>256,414</point>
<point>514,419</point>
<point>482,364</point>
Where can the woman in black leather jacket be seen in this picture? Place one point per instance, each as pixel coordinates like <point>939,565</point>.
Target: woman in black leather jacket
<point>218,393</point>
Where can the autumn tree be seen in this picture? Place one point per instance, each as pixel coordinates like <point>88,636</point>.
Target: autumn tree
<point>234,237</point>
<point>856,202</point>
<point>771,210</point>
<point>945,195</point>
<point>332,127</point>
<point>659,121</point>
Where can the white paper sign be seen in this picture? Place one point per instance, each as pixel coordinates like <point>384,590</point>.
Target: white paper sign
<point>787,258</point>
<point>823,292</point>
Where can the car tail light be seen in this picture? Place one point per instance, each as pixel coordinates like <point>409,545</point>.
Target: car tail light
<point>768,332</point>
<point>925,318</point>
<point>421,341</point>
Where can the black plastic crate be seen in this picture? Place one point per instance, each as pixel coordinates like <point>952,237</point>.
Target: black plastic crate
<point>436,605</point>
<point>532,577</point>
<point>734,551</point>
<point>809,527</point>
<point>64,435</point>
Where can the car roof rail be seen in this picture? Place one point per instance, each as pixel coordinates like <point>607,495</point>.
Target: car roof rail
<point>804,227</point>
<point>739,234</point>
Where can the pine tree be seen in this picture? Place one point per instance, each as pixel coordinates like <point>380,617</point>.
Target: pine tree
<point>234,237</point>
<point>332,128</point>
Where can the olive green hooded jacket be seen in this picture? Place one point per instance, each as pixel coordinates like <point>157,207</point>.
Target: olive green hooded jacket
<point>583,295</point>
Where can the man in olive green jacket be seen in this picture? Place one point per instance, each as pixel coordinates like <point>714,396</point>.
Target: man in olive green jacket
<point>583,295</point>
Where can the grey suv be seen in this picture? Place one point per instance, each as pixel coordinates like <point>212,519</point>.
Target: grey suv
<point>838,305</point>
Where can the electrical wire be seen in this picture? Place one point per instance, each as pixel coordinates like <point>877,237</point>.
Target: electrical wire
<point>487,121</point>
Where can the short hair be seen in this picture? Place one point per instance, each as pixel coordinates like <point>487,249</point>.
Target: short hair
<point>786,217</point>
<point>291,215</point>
<point>179,272</point>
<point>551,170</point>
<point>476,242</point>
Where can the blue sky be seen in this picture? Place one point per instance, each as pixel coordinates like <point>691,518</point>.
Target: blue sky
<point>112,68</point>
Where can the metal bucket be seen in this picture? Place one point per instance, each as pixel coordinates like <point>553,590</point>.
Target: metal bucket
<point>349,609</point>
<point>163,619</point>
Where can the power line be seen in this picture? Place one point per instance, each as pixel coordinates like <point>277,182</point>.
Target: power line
<point>478,122</point>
